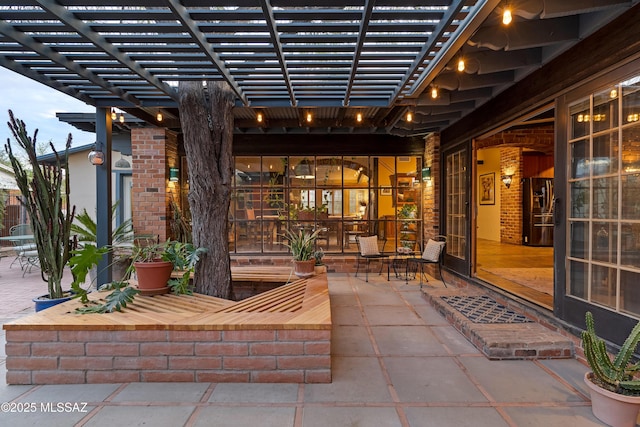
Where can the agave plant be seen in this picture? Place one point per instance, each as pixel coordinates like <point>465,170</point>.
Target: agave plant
<point>615,375</point>
<point>301,243</point>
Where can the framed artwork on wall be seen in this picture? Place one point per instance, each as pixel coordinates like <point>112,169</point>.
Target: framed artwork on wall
<point>487,190</point>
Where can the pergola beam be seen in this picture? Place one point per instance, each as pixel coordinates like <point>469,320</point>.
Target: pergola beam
<point>362,33</point>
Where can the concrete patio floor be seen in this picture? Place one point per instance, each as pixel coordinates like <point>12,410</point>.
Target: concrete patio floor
<point>396,362</point>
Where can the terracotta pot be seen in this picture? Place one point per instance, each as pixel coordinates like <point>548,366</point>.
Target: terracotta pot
<point>304,268</point>
<point>614,409</point>
<point>153,276</point>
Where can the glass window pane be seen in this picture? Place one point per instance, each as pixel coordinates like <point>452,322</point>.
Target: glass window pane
<point>630,245</point>
<point>302,171</point>
<point>329,171</point>
<point>579,119</point>
<point>630,292</point>
<point>631,149</point>
<point>603,285</point>
<point>580,159</point>
<point>579,199</point>
<point>605,111</point>
<point>578,279</point>
<point>630,100</point>
<point>631,196</point>
<point>605,198</point>
<point>605,154</point>
<point>605,242</point>
<point>579,239</point>
<point>356,171</point>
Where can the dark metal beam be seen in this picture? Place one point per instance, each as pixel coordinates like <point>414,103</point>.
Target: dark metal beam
<point>103,194</point>
<point>192,27</point>
<point>362,33</point>
<point>277,45</point>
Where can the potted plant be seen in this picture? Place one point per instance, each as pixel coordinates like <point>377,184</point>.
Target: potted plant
<point>45,194</point>
<point>85,228</point>
<point>319,264</point>
<point>614,388</point>
<point>154,264</point>
<point>302,246</point>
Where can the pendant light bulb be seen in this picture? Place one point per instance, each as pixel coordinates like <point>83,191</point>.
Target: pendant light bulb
<point>259,117</point>
<point>506,17</point>
<point>121,117</point>
<point>309,117</point>
<point>434,92</point>
<point>159,117</point>
<point>359,117</point>
<point>461,65</point>
<point>409,116</point>
<point>114,116</point>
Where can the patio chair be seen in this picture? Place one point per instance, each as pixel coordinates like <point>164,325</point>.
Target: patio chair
<point>433,254</point>
<point>368,250</point>
<point>21,245</point>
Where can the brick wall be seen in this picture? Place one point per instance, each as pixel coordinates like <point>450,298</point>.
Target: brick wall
<point>511,198</point>
<point>431,194</point>
<point>76,357</point>
<point>152,151</point>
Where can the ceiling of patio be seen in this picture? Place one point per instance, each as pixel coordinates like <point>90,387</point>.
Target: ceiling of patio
<point>335,59</point>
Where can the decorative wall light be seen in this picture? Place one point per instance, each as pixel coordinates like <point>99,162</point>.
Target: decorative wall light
<point>174,174</point>
<point>96,157</point>
<point>426,174</point>
<point>506,179</point>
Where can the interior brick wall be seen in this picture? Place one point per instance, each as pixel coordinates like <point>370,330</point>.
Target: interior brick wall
<point>511,198</point>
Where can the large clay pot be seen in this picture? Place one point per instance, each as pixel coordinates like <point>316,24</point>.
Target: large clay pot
<point>153,277</point>
<point>614,409</point>
<point>304,268</point>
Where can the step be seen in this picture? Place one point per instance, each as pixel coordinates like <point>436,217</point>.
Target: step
<point>498,331</point>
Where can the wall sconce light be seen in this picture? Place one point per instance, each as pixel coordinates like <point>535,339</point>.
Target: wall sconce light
<point>96,157</point>
<point>174,174</point>
<point>507,180</point>
<point>426,174</point>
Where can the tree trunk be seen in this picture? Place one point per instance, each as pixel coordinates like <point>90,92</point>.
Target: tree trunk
<point>208,134</point>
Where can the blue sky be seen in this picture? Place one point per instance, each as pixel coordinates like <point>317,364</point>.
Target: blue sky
<point>37,105</point>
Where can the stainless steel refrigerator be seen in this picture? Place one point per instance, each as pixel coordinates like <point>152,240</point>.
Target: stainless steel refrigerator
<point>537,215</point>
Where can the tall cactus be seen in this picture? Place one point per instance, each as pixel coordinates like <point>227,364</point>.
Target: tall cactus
<point>46,198</point>
<point>616,375</point>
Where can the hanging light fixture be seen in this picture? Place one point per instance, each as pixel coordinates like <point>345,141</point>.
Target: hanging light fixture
<point>434,92</point>
<point>309,118</point>
<point>409,116</point>
<point>159,116</point>
<point>359,117</point>
<point>461,64</point>
<point>122,163</point>
<point>113,114</point>
<point>506,17</point>
<point>304,170</point>
<point>259,117</point>
<point>121,118</point>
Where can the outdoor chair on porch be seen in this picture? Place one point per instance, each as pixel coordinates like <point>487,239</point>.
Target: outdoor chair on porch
<point>22,243</point>
<point>368,250</point>
<point>433,254</point>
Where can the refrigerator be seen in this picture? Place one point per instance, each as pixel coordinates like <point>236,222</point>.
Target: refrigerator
<point>537,215</point>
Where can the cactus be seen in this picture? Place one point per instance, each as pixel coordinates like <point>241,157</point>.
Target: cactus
<point>45,190</point>
<point>617,375</point>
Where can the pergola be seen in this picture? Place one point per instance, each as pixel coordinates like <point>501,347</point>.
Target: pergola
<point>354,66</point>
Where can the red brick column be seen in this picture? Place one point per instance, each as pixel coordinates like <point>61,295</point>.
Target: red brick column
<point>511,198</point>
<point>431,189</point>
<point>154,150</point>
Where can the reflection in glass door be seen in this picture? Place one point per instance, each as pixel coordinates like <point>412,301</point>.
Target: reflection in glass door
<point>456,209</point>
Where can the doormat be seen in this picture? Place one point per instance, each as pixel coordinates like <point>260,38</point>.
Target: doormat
<point>484,309</point>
